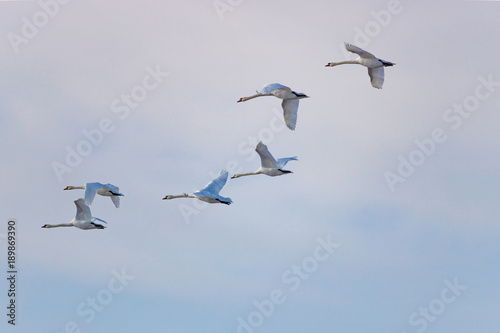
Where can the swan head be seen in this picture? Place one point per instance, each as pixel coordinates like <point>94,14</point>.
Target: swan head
<point>331,64</point>
<point>240,100</point>
<point>45,226</point>
<point>66,188</point>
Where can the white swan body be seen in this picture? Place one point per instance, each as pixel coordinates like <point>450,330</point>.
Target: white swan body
<point>290,102</point>
<point>374,64</point>
<point>210,193</point>
<point>269,166</point>
<point>83,219</point>
<point>106,190</point>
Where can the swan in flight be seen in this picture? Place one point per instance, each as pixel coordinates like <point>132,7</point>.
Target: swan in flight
<point>269,166</point>
<point>209,193</point>
<point>106,190</point>
<point>374,64</point>
<point>290,102</point>
<point>82,220</point>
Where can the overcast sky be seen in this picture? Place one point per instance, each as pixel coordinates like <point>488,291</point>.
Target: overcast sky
<point>388,223</point>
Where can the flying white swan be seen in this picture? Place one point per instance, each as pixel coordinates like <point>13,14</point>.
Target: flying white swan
<point>290,102</point>
<point>374,64</point>
<point>269,166</point>
<point>106,190</point>
<point>209,193</point>
<point>82,220</point>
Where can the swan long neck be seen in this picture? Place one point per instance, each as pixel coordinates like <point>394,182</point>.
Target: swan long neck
<point>246,174</point>
<point>177,196</point>
<point>243,99</point>
<point>58,225</point>
<point>75,188</point>
<point>183,195</point>
<point>354,62</point>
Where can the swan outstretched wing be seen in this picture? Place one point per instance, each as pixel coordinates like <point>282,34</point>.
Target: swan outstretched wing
<point>376,76</point>
<point>115,190</point>
<point>116,201</point>
<point>269,88</point>
<point>290,109</point>
<point>215,185</point>
<point>98,219</point>
<point>282,161</point>
<point>90,191</point>
<point>358,51</point>
<point>267,160</point>
<point>82,210</point>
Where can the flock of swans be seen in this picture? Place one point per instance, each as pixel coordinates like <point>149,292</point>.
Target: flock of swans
<point>269,165</point>
<point>84,219</point>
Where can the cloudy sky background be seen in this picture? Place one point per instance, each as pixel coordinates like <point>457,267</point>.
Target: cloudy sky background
<point>200,268</point>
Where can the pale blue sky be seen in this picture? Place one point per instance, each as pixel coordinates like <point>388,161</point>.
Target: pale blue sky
<point>399,250</point>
